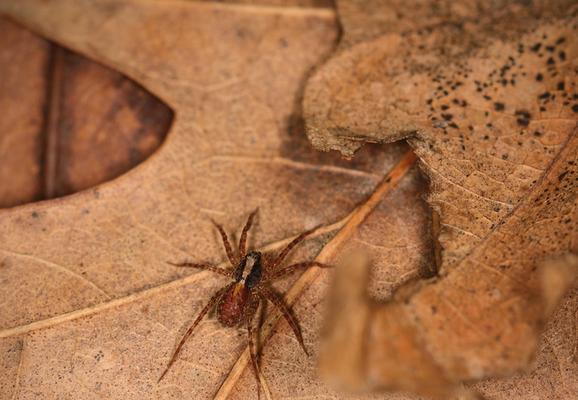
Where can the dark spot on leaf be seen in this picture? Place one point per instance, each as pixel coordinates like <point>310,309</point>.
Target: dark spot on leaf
<point>523,117</point>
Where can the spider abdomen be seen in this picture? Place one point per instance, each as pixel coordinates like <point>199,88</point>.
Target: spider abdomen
<point>231,307</point>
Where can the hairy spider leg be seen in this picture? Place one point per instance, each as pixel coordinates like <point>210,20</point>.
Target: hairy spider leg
<point>243,239</point>
<point>254,353</point>
<point>226,243</point>
<point>207,267</point>
<point>203,312</point>
<point>269,294</point>
<point>279,259</point>
<point>287,270</point>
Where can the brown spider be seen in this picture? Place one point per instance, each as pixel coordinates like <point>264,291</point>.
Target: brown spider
<point>238,301</point>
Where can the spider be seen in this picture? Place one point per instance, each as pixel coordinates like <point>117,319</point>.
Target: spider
<point>237,302</point>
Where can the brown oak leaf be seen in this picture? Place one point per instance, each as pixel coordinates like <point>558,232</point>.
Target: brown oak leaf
<point>90,307</point>
<point>59,108</point>
<point>481,319</point>
<point>485,93</point>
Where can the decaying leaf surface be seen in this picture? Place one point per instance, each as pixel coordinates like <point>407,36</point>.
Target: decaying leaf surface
<point>487,105</point>
<point>487,98</point>
<point>89,306</point>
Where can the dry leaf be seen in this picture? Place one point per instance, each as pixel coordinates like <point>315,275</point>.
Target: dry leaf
<point>22,72</point>
<point>487,98</point>
<point>467,325</point>
<point>486,104</point>
<point>59,107</point>
<point>91,309</point>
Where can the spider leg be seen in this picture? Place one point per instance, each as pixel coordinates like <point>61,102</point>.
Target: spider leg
<point>287,270</point>
<point>207,267</point>
<point>204,311</point>
<point>275,298</point>
<point>226,243</point>
<point>251,334</point>
<point>243,240</point>
<point>279,259</point>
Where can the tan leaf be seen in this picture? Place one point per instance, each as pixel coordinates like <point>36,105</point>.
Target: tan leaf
<point>18,141</point>
<point>90,307</point>
<point>467,325</point>
<point>486,108</point>
<point>487,99</point>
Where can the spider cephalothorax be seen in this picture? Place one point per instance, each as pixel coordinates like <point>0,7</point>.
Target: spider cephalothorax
<point>231,306</point>
<point>237,302</point>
